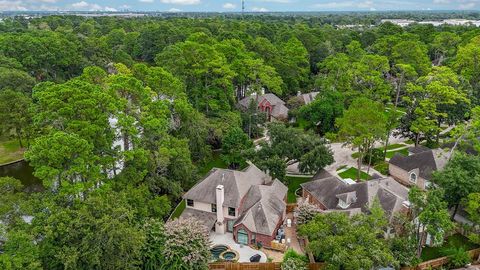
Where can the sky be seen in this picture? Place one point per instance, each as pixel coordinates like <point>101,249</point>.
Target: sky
<point>235,5</point>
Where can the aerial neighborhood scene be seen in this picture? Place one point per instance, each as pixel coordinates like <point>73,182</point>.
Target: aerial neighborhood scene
<point>249,135</point>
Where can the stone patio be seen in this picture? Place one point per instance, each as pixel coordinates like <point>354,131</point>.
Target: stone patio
<point>245,252</point>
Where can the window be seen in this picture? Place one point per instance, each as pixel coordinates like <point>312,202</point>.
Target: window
<point>230,226</point>
<point>253,240</point>
<point>343,204</point>
<point>413,177</point>
<point>190,203</point>
<point>231,211</point>
<point>214,208</point>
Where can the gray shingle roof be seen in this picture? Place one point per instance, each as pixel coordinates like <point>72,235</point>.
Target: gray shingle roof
<point>424,161</point>
<point>418,149</point>
<point>390,193</point>
<point>279,109</point>
<point>308,97</point>
<point>263,208</point>
<point>208,219</point>
<point>236,184</point>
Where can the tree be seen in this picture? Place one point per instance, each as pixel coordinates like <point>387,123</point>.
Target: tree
<point>306,212</point>
<point>444,46</point>
<point>288,146</point>
<point>459,178</point>
<point>361,125</point>
<point>15,115</point>
<point>413,53</point>
<point>322,112</point>
<point>467,63</point>
<point>348,243</point>
<point>20,252</point>
<point>11,200</point>
<point>16,80</point>
<point>472,206</point>
<point>186,245</point>
<point>294,65</point>
<point>430,216</point>
<point>234,145</point>
<point>64,160</point>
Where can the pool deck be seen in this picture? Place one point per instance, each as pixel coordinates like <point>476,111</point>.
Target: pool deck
<point>245,252</point>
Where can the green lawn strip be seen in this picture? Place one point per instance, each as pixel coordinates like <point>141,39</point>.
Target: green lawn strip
<point>293,185</point>
<point>403,151</point>
<point>10,151</point>
<point>395,146</point>
<point>456,240</point>
<point>179,209</point>
<point>352,174</point>
<point>382,168</point>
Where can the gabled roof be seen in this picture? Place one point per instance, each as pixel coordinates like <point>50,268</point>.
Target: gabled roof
<point>423,161</point>
<point>279,109</point>
<point>418,149</point>
<point>308,97</point>
<point>328,191</point>
<point>236,185</point>
<point>263,208</point>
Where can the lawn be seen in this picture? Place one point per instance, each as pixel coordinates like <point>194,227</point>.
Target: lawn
<point>395,146</point>
<point>352,174</point>
<point>10,151</point>
<point>382,168</point>
<point>293,185</point>
<point>456,240</point>
<point>214,162</point>
<point>178,210</point>
<point>403,151</point>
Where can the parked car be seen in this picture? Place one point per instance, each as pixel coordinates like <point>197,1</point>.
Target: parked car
<point>255,258</point>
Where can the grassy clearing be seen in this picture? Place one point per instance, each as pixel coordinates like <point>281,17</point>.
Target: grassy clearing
<point>10,151</point>
<point>352,174</point>
<point>456,240</point>
<point>293,185</point>
<point>395,146</point>
<point>179,209</point>
<point>403,151</point>
<point>214,162</point>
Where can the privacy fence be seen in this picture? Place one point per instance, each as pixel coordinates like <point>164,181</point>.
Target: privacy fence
<point>255,266</point>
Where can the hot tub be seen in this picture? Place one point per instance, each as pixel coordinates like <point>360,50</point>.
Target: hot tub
<point>229,256</point>
<point>217,250</point>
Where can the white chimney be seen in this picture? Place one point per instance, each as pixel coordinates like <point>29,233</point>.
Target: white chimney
<point>220,198</point>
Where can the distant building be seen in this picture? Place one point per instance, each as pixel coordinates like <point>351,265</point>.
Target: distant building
<point>270,104</point>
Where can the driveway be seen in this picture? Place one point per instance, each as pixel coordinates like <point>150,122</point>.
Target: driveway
<point>245,252</point>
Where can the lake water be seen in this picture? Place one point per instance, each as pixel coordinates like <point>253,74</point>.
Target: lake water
<point>23,172</point>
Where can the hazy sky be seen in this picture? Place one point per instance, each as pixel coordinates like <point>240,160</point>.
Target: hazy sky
<point>230,5</point>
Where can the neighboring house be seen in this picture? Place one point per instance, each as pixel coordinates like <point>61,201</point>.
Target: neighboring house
<point>418,166</point>
<point>307,98</point>
<point>248,203</point>
<point>270,104</point>
<point>331,193</point>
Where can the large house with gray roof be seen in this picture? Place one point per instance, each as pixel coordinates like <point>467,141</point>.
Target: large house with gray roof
<point>249,204</point>
<point>331,193</point>
<point>270,104</point>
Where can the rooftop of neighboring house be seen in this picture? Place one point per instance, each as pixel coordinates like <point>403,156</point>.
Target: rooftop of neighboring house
<point>279,109</point>
<point>422,158</point>
<point>260,200</point>
<point>337,195</point>
<point>307,98</point>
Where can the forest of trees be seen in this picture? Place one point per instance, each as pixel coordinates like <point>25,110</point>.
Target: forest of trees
<point>119,115</point>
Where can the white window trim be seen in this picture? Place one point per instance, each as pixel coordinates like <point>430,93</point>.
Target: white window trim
<point>410,177</point>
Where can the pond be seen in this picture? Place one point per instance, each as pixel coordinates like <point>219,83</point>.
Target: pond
<point>23,172</point>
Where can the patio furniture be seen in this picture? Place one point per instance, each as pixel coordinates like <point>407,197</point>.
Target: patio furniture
<point>255,258</point>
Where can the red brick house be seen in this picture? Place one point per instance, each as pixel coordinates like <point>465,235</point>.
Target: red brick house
<point>249,204</point>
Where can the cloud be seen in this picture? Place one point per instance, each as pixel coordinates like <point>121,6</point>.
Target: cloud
<point>174,10</point>
<point>467,5</point>
<point>145,1</point>
<point>85,6</point>
<point>229,6</point>
<point>441,2</point>
<point>12,5</point>
<point>181,2</point>
<point>277,1</point>
<point>259,9</point>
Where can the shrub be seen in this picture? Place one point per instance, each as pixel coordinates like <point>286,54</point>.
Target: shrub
<point>292,254</point>
<point>458,256</point>
<point>306,212</point>
<point>294,264</point>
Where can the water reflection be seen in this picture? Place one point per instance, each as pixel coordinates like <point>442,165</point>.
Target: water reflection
<point>23,172</point>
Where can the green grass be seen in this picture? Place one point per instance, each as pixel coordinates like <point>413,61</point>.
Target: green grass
<point>179,209</point>
<point>456,240</point>
<point>395,146</point>
<point>10,151</point>
<point>214,162</point>
<point>382,168</point>
<point>403,151</point>
<point>410,141</point>
<point>293,185</point>
<point>352,174</point>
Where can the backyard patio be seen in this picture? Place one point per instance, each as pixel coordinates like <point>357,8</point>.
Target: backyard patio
<point>245,252</point>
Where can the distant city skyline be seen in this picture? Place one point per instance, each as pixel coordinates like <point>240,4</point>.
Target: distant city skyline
<point>235,6</point>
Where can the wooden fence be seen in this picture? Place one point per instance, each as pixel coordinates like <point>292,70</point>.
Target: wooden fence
<point>256,266</point>
<point>436,263</point>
